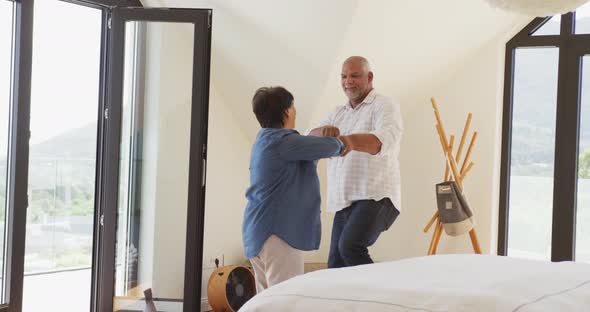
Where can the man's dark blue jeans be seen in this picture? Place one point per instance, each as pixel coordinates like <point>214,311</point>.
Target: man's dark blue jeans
<point>357,227</point>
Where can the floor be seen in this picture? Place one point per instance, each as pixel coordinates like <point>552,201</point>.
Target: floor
<point>68,290</point>
<point>71,290</point>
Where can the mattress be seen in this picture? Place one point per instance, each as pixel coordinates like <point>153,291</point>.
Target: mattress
<point>435,284</point>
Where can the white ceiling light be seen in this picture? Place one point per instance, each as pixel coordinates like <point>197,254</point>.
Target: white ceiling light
<point>537,7</point>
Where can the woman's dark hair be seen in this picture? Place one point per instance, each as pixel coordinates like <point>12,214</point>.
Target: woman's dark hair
<point>270,105</point>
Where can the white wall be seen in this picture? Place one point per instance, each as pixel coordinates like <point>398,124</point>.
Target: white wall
<point>227,179</point>
<point>474,85</point>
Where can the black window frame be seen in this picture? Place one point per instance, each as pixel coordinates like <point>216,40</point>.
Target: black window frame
<point>572,47</point>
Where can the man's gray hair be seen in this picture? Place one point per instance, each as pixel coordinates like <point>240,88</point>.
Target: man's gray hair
<point>360,59</point>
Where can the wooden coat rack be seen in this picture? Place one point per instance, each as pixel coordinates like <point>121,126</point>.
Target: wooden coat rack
<point>452,173</point>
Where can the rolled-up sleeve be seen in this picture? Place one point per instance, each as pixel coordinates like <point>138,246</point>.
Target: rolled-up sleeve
<point>388,127</point>
<point>302,147</point>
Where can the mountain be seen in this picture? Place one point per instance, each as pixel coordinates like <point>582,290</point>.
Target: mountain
<point>68,159</point>
<point>77,143</point>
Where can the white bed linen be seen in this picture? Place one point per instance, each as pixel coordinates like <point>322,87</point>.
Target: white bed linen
<point>435,284</point>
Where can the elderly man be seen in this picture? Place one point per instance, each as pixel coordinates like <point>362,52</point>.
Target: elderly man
<point>363,189</point>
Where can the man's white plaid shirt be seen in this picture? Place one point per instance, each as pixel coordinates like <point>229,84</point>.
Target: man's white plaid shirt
<point>359,176</point>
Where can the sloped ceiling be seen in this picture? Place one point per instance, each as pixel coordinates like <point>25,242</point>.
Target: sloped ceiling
<point>301,45</point>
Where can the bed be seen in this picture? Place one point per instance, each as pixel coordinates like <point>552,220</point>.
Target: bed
<point>435,284</point>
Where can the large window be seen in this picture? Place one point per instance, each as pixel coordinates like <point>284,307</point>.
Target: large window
<point>533,146</point>
<point>545,191</point>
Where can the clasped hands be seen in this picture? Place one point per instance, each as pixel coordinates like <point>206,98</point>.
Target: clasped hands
<point>367,143</point>
<point>331,131</point>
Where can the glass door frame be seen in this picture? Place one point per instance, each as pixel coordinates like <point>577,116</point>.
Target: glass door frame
<point>18,159</point>
<point>572,47</point>
<point>108,201</point>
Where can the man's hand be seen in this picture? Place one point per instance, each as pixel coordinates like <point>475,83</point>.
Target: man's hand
<point>347,144</point>
<point>362,142</point>
<point>326,131</point>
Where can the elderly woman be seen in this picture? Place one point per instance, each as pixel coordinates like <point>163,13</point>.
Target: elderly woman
<point>282,217</point>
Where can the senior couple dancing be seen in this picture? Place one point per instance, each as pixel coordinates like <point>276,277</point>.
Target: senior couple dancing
<point>361,140</point>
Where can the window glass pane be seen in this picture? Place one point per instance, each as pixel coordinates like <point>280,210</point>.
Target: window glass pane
<point>583,196</point>
<point>154,167</point>
<point>6,26</point>
<point>583,19</point>
<point>551,27</point>
<point>533,151</point>
<point>62,159</point>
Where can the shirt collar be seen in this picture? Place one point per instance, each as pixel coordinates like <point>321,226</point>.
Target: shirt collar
<point>370,98</point>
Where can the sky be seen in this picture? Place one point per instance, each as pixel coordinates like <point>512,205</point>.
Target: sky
<point>66,68</point>
<point>65,71</point>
